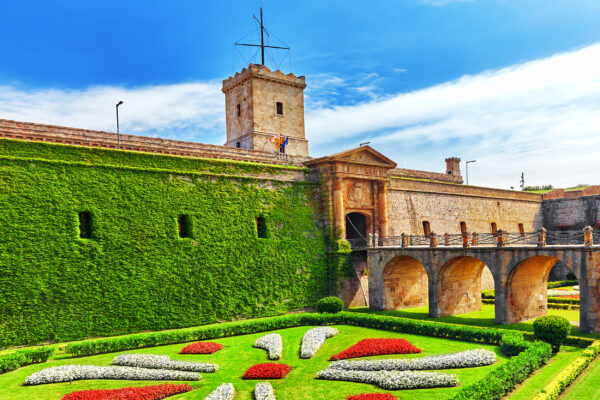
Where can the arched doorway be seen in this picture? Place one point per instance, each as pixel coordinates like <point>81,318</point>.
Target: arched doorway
<point>404,284</point>
<point>356,226</point>
<point>459,287</point>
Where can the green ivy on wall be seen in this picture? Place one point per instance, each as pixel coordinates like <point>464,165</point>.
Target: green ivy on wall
<point>135,273</point>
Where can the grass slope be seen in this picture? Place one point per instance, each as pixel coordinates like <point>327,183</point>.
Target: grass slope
<point>239,354</point>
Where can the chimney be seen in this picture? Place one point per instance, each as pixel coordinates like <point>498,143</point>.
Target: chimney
<point>453,166</point>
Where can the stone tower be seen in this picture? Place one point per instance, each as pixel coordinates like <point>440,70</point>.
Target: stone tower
<point>453,166</point>
<point>260,104</point>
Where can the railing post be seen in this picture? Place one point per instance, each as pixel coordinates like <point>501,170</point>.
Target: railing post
<point>588,236</point>
<point>500,236</point>
<point>446,239</point>
<point>404,238</point>
<point>465,239</point>
<point>376,239</point>
<point>475,239</point>
<point>541,237</point>
<point>433,241</point>
<point>369,240</point>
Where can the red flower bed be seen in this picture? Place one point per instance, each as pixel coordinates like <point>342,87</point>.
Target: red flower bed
<point>569,296</point>
<point>202,348</point>
<point>372,396</point>
<point>267,371</point>
<point>153,392</point>
<point>376,347</point>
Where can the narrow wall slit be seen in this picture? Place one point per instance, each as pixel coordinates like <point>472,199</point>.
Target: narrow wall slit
<point>183,224</point>
<point>85,224</point>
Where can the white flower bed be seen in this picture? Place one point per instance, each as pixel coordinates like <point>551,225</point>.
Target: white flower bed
<point>314,338</point>
<point>272,343</point>
<point>558,293</point>
<point>464,359</point>
<point>162,362</point>
<point>264,391</point>
<point>392,380</point>
<point>67,373</point>
<point>224,392</point>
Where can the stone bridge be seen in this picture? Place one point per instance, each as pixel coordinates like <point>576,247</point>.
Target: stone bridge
<point>449,279</point>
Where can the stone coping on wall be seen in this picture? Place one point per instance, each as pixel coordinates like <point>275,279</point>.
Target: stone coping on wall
<point>414,185</point>
<point>561,194</point>
<point>417,174</point>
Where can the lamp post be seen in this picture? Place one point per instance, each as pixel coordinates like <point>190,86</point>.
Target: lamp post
<point>118,136</point>
<point>467,164</point>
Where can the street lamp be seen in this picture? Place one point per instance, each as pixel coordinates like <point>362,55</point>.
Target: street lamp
<point>467,164</point>
<point>118,136</point>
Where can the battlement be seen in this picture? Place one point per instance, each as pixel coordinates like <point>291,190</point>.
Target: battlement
<point>262,72</point>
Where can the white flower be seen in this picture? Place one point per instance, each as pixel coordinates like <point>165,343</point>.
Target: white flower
<point>162,362</point>
<point>392,380</point>
<point>314,338</point>
<point>264,391</point>
<point>67,373</point>
<point>272,343</point>
<point>226,391</point>
<point>464,359</point>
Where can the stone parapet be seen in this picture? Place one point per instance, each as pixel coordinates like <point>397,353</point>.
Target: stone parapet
<point>572,194</point>
<point>416,174</point>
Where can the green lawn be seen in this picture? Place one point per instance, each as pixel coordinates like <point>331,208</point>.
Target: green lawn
<point>586,387</point>
<point>485,317</point>
<point>239,354</point>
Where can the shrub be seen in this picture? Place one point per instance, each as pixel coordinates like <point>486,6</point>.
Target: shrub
<point>571,276</point>
<point>10,362</point>
<point>376,347</point>
<point>552,329</point>
<point>557,284</point>
<point>202,348</point>
<point>513,343</point>
<point>267,371</point>
<point>330,304</point>
<point>152,392</point>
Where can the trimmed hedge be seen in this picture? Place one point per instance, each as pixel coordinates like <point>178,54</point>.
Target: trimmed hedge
<point>504,379</point>
<point>552,329</point>
<point>557,284</point>
<point>330,305</point>
<point>552,306</point>
<point>568,374</point>
<point>513,343</point>
<point>11,361</point>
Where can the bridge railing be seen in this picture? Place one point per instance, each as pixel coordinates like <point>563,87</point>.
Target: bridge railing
<point>499,239</point>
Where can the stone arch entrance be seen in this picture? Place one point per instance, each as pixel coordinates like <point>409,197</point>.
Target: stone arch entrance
<point>527,288</point>
<point>459,286</point>
<point>404,283</point>
<point>356,225</point>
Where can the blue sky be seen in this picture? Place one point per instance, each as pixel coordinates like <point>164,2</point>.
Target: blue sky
<point>509,83</point>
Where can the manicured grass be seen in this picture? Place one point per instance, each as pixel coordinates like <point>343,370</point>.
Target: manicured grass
<point>586,387</point>
<point>238,354</point>
<point>485,318</point>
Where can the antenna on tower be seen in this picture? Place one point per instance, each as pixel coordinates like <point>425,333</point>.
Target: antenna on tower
<point>262,44</point>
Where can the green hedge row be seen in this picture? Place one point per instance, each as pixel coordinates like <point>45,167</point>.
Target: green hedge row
<point>417,327</point>
<point>557,284</point>
<point>513,343</point>
<point>553,306</point>
<point>11,361</point>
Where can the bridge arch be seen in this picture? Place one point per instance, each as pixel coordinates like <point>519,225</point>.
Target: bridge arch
<point>404,283</point>
<point>459,286</point>
<point>527,288</point>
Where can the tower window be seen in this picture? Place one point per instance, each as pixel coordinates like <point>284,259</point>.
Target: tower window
<point>183,223</point>
<point>261,227</point>
<point>521,229</point>
<point>85,224</point>
<point>426,228</point>
<point>463,227</point>
<point>494,228</point>
<point>238,144</point>
<point>239,110</point>
<point>279,106</point>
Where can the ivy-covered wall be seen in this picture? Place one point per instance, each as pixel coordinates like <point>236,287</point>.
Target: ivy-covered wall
<point>135,273</point>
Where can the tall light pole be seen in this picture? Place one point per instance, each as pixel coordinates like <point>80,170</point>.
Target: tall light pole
<point>118,136</point>
<point>467,164</point>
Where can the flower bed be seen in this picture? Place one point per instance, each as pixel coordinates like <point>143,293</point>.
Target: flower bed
<point>162,362</point>
<point>372,396</point>
<point>314,338</point>
<point>264,391</point>
<point>392,380</point>
<point>272,343</point>
<point>376,347</point>
<point>202,348</point>
<point>464,359</point>
<point>68,373</point>
<point>569,296</point>
<point>226,391</point>
<point>267,371</point>
<point>153,392</point>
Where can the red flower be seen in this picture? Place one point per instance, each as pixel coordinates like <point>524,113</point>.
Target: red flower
<point>267,371</point>
<point>153,392</point>
<point>372,396</point>
<point>202,348</point>
<point>376,347</point>
<point>569,296</point>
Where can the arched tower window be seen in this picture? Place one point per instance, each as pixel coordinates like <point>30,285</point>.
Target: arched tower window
<point>426,228</point>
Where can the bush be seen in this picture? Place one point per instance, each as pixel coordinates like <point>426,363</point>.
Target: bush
<point>552,329</point>
<point>513,343</point>
<point>571,276</point>
<point>330,304</point>
<point>10,362</point>
<point>557,284</point>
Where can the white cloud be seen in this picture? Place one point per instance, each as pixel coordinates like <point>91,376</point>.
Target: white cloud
<point>541,117</point>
